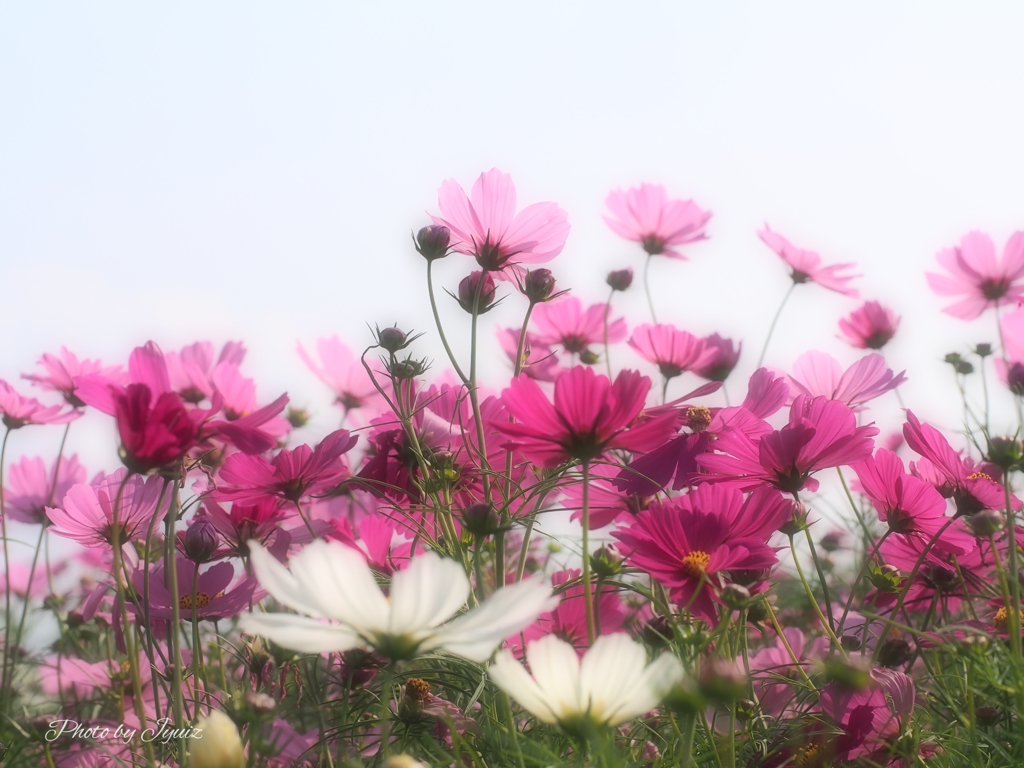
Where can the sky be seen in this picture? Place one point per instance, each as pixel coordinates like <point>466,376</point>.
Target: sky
<point>253,170</point>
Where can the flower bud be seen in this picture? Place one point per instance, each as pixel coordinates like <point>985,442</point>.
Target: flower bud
<point>468,292</point>
<point>983,350</point>
<point>895,652</point>
<point>832,541</point>
<point>481,519</point>
<point>392,339</point>
<point>1015,378</point>
<point>799,520</point>
<point>297,417</point>
<point>620,279</point>
<point>657,631</point>
<point>216,743</point>
<point>606,561</point>
<point>538,285</point>
<point>942,578</point>
<point>402,761</point>
<point>432,242</point>
<point>1005,452</point>
<point>260,704</point>
<point>850,642</point>
<point>735,595</point>
<point>988,716</point>
<point>852,674</point>
<point>983,524</point>
<point>588,358</point>
<point>722,681</point>
<point>200,540</point>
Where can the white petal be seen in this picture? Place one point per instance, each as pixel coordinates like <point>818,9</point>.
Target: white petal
<point>426,593</point>
<point>299,633</point>
<point>475,634</point>
<point>509,675</point>
<point>338,581</point>
<point>556,668</point>
<point>649,689</point>
<point>281,585</point>
<point>609,672</point>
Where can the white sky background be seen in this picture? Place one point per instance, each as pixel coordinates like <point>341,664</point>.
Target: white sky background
<point>253,170</point>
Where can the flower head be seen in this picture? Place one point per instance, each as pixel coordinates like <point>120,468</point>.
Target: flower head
<point>485,224</point>
<point>332,584</point>
<point>870,326</point>
<point>975,273</point>
<point>646,215</point>
<point>611,685</point>
<point>720,364</point>
<point>672,350</point>
<point>807,266</point>
<point>61,372</point>
<point>341,370</point>
<point>568,325</point>
<point>16,411</point>
<point>213,598</point>
<point>30,488</point>
<point>819,374</point>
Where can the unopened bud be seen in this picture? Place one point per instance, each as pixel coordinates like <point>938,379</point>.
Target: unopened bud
<point>832,541</point>
<point>297,417</point>
<point>474,293</point>
<point>798,521</point>
<point>432,242</point>
<point>481,519</point>
<point>216,743</point>
<point>200,540</point>
<point>735,595</point>
<point>620,279</point>
<point>895,652</point>
<point>538,285</point>
<point>722,681</point>
<point>983,350</point>
<point>657,631</point>
<point>260,703</point>
<point>606,561</point>
<point>983,524</point>
<point>588,358</point>
<point>988,716</point>
<point>392,339</point>
<point>850,642</point>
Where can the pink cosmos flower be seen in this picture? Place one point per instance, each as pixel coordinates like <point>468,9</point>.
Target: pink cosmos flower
<point>566,324</point>
<point>686,541</point>
<point>26,582</point>
<point>870,326</point>
<point>909,506</point>
<point>485,224</point>
<point>807,265</point>
<point>1010,367</point>
<point>214,600</point>
<point>646,215</point>
<point>190,372</point>
<point>819,374</point>
<point>61,372</point>
<point>726,355</point>
<point>291,474</point>
<point>30,488</point>
<point>606,503</point>
<point>18,410</point>
<point>772,670</point>
<point>246,522</point>
<point>871,718</point>
<point>87,515</point>
<point>821,433</point>
<point>343,373</point>
<point>590,415</point>
<point>539,362</point>
<point>976,274</point>
<point>672,350</point>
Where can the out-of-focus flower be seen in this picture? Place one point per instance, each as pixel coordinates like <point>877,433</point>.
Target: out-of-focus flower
<point>590,415</point>
<point>539,361</point>
<point>485,224</point>
<point>817,374</point>
<point>612,684</point>
<point>61,372</point>
<point>646,215</point>
<point>567,324</point>
<point>672,350</point>
<point>807,265</point>
<point>18,411</point>
<point>344,607</point>
<point>213,598</point>
<point>216,743</point>
<point>342,371</point>
<point>720,365</point>
<point>620,279</point>
<point>870,326</point>
<point>30,488</point>
<point>975,273</point>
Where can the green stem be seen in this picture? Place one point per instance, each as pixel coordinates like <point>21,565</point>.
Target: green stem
<point>607,313</point>
<point>588,594</point>
<point>440,328</point>
<point>826,625</point>
<point>689,725</point>
<point>647,289</point>
<point>771,328</point>
<point>5,683</point>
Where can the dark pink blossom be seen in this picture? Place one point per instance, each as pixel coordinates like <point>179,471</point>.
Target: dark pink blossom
<point>672,350</point>
<point>215,596</point>
<point>565,323</point>
<point>819,374</point>
<point>61,372</point>
<point>975,274</point>
<point>807,265</point>
<point>646,215</point>
<point>18,411</point>
<point>870,326</point>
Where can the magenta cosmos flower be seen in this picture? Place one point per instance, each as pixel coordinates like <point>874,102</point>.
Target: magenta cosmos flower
<point>485,224</point>
<point>975,274</point>
<point>821,433</point>
<point>589,416</point>
<point>61,372</point>
<point>720,364</point>
<point>819,374</point>
<point>17,411</point>
<point>567,324</point>
<point>807,265</point>
<point>213,599</point>
<point>646,215</point>
<point>672,350</point>
<point>31,488</point>
<point>870,326</point>
<point>686,541</point>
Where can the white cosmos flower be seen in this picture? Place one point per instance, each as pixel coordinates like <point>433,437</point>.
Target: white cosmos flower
<point>344,607</point>
<point>611,685</point>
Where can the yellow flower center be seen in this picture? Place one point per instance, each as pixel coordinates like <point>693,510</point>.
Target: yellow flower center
<point>979,476</point>
<point>417,690</point>
<point>1001,619</point>
<point>695,563</point>
<point>202,601</point>
<point>698,418</point>
<point>807,755</point>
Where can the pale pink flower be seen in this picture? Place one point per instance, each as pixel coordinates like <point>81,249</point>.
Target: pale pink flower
<point>190,371</point>
<point>30,488</point>
<point>18,410</point>
<point>646,215</point>
<point>568,325</point>
<point>870,326</point>
<point>807,265</point>
<point>672,350</point>
<point>976,274</point>
<point>343,372</point>
<point>485,224</point>
<point>817,374</point>
<point>539,362</point>
<point>61,372</point>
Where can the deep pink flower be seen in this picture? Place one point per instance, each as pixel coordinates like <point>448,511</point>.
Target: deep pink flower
<point>214,600</point>
<point>821,433</point>
<point>646,215</point>
<point>153,434</point>
<point>870,326</point>
<point>871,718</point>
<point>977,275</point>
<point>726,355</point>
<point>539,362</point>
<point>807,265</point>
<point>290,475</point>
<point>30,488</point>
<point>686,541</point>
<point>568,325</point>
<point>18,410</point>
<point>87,513</point>
<point>61,372</point>
<point>772,670</point>
<point>246,522</point>
<point>589,416</point>
<point>908,505</point>
<point>672,350</point>
<point>343,372</point>
<point>819,374</point>
<point>605,502</point>
<point>485,224</point>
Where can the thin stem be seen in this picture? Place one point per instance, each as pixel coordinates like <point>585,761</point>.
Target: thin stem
<point>5,683</point>
<point>771,328</point>
<point>587,589</point>
<point>197,650</point>
<point>437,322</point>
<point>826,625</point>
<point>647,289</point>
<point>174,631</point>
<point>686,741</point>
<point>607,314</point>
